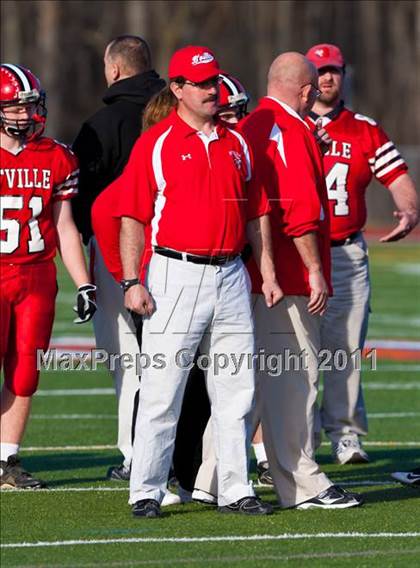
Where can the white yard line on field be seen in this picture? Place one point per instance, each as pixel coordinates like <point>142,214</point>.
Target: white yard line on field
<point>75,392</point>
<point>233,538</point>
<point>100,489</point>
<point>367,385</point>
<point>74,416</point>
<point>394,367</point>
<point>393,414</point>
<point>390,444</point>
<point>114,416</point>
<point>370,385</point>
<point>67,448</point>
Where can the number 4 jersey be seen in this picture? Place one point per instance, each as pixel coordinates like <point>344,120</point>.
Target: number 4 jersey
<point>360,150</point>
<point>31,181</point>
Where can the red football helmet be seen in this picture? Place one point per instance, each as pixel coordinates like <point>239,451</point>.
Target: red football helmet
<point>19,86</point>
<point>232,96</point>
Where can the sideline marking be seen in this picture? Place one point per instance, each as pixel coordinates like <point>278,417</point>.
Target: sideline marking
<point>233,538</point>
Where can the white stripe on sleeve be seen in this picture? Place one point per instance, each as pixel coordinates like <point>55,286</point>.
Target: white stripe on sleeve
<point>160,183</point>
<point>385,159</point>
<point>390,168</point>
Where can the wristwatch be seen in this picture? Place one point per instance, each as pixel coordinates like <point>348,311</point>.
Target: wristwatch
<point>126,284</point>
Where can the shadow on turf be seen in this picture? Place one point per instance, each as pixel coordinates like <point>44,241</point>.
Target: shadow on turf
<point>70,461</point>
<point>382,463</point>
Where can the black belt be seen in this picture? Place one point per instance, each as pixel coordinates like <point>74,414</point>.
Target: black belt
<point>196,259</point>
<point>347,241</point>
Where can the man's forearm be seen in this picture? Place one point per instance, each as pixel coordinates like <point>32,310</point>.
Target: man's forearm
<point>307,246</point>
<point>405,196</point>
<point>131,246</point>
<point>259,236</point>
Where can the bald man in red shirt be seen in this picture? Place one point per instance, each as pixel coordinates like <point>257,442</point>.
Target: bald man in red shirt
<point>187,177</point>
<point>289,168</point>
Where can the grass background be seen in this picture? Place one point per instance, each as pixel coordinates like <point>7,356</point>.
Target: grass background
<point>104,515</point>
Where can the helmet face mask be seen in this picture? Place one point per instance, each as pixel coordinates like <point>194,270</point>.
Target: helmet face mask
<point>20,89</point>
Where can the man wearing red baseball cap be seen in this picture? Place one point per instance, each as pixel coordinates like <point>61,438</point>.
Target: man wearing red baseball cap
<point>326,55</point>
<point>187,178</point>
<point>359,150</point>
<point>194,63</point>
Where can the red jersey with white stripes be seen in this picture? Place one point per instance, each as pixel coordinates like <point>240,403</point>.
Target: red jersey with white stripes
<point>288,166</point>
<point>31,181</point>
<point>191,188</point>
<point>360,150</point>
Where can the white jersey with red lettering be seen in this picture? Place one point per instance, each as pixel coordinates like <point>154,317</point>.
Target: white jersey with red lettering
<point>359,151</point>
<point>31,181</point>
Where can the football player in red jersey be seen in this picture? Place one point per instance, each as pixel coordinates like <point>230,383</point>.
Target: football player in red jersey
<point>359,150</point>
<point>38,176</point>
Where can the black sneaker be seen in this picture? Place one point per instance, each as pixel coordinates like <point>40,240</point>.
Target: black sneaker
<point>408,477</point>
<point>119,473</point>
<point>264,475</point>
<point>13,476</point>
<point>146,508</point>
<point>335,497</point>
<point>247,506</point>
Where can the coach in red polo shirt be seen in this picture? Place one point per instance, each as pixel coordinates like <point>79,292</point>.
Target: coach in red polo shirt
<point>187,177</point>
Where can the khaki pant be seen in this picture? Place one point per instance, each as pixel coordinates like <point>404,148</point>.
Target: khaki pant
<point>343,332</point>
<point>288,397</point>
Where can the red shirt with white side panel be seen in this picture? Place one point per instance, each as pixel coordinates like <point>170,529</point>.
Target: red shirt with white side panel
<point>191,188</point>
<point>288,167</point>
<point>106,228</point>
<point>360,150</point>
<point>31,181</point>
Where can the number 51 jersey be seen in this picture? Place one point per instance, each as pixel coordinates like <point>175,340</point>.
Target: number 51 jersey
<point>31,181</point>
<point>360,150</point>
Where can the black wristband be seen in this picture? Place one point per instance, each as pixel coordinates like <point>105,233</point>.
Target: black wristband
<point>126,284</point>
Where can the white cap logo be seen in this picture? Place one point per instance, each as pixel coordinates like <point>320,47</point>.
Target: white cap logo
<point>205,57</point>
<point>320,52</point>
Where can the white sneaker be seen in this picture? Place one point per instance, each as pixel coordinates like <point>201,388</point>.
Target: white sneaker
<point>408,477</point>
<point>335,497</point>
<point>170,499</point>
<point>203,497</point>
<point>349,450</point>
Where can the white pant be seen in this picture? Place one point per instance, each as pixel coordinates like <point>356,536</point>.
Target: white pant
<point>115,332</point>
<point>344,327</point>
<point>196,306</point>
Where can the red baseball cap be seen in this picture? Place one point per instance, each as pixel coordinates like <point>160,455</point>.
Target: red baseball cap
<point>194,62</point>
<point>326,55</point>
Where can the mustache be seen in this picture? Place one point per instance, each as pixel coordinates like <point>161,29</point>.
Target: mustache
<point>210,99</point>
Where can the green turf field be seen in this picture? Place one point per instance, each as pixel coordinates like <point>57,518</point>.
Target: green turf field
<point>84,520</point>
